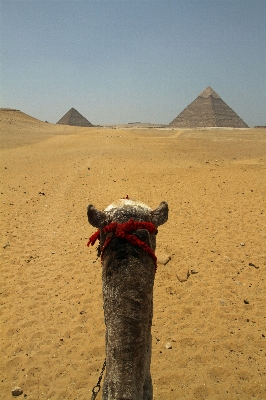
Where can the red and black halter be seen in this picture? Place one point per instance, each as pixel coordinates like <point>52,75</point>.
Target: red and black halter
<point>123,231</point>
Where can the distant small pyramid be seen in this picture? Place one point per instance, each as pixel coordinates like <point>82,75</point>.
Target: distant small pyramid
<point>74,118</point>
<point>208,110</point>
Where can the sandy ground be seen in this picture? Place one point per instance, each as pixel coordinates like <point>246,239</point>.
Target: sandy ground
<point>209,299</point>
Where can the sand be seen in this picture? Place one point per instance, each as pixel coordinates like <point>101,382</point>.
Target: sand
<point>209,298</point>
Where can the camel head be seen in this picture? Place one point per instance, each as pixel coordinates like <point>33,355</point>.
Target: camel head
<point>122,210</point>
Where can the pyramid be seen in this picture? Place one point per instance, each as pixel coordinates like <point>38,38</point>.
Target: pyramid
<point>208,110</point>
<point>12,114</point>
<point>74,118</point>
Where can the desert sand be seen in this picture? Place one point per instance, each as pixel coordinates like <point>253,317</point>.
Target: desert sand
<point>209,325</point>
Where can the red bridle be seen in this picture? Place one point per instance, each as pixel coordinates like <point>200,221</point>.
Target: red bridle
<point>122,231</point>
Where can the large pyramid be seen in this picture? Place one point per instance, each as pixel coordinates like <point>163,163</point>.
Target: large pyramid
<point>74,118</point>
<point>208,110</point>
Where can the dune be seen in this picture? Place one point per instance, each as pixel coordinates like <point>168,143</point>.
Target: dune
<point>15,116</point>
<point>209,325</point>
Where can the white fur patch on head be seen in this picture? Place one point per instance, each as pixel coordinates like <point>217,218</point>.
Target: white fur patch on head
<point>127,202</point>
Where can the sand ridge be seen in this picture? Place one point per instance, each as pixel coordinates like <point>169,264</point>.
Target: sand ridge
<point>209,298</point>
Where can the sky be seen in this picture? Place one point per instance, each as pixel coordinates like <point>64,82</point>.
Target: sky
<point>121,61</point>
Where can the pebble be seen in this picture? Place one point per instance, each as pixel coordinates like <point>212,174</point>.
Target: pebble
<point>164,259</point>
<point>253,265</point>
<point>168,345</point>
<point>16,391</point>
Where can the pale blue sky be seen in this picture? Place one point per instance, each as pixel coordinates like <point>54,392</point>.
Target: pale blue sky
<point>120,61</point>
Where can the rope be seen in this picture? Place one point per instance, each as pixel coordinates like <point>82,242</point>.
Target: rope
<point>97,387</point>
<point>122,231</point>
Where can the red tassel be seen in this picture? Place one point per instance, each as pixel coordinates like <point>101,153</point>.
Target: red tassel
<point>93,238</point>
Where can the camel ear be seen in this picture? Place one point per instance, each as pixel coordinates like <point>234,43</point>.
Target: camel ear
<point>160,214</point>
<point>96,218</point>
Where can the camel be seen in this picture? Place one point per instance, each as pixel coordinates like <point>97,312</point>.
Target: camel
<point>126,231</point>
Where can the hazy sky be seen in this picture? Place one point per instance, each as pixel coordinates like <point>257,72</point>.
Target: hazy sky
<point>120,61</point>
